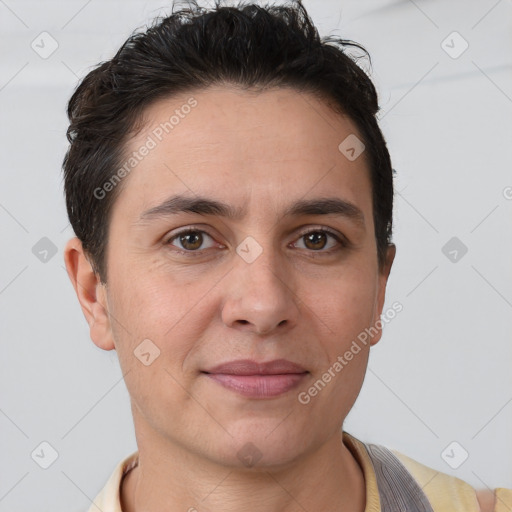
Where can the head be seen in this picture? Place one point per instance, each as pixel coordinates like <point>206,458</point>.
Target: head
<point>231,194</point>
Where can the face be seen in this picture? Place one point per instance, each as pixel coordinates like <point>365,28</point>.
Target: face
<point>268,254</point>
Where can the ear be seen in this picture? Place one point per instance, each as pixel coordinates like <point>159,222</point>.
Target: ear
<point>91,294</point>
<point>382,281</point>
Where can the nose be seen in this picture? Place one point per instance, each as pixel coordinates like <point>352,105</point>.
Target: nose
<point>260,296</point>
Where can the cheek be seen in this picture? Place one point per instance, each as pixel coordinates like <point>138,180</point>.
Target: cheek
<point>149,301</point>
<point>147,305</point>
<point>345,303</point>
<point>154,325</point>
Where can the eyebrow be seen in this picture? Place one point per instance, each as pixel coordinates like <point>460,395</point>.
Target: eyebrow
<point>204,206</point>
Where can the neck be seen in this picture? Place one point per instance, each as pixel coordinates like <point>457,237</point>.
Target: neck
<point>168,476</point>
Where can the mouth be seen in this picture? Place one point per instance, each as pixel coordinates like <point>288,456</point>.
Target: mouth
<point>258,380</point>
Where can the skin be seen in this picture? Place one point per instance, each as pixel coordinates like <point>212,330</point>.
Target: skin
<point>298,300</point>
<point>486,500</point>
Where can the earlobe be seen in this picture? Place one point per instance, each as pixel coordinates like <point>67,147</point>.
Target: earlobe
<point>91,294</point>
<point>381,292</point>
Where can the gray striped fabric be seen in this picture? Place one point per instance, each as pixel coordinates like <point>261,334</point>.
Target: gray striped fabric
<point>398,490</point>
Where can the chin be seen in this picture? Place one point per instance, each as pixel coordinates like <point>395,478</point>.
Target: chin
<point>263,444</point>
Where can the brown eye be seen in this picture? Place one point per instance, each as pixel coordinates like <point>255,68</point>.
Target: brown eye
<point>315,240</point>
<point>318,240</point>
<point>191,240</point>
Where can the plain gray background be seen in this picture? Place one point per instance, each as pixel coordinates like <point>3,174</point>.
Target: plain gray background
<point>441,373</point>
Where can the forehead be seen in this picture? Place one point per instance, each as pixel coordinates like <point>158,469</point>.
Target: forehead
<point>232,143</point>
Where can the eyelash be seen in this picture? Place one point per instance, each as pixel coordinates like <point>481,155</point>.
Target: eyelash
<point>341,241</point>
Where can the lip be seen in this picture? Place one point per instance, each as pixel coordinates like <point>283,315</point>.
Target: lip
<point>258,380</point>
<point>250,367</point>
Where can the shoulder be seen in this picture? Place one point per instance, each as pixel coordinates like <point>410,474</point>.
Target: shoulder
<point>449,493</point>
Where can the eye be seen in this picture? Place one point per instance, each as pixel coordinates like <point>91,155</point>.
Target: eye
<point>191,240</point>
<point>318,240</point>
